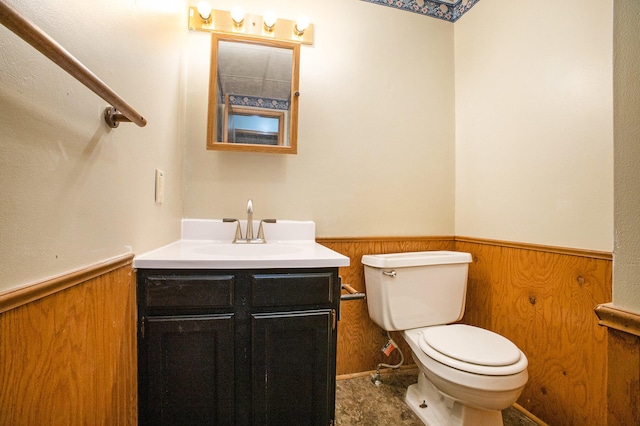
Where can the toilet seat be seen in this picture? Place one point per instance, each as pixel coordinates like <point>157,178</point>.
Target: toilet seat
<point>472,349</point>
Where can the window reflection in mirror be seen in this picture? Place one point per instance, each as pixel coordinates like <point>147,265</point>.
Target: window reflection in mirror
<point>253,94</point>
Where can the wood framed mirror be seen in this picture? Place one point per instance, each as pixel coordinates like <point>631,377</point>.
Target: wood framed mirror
<point>253,94</point>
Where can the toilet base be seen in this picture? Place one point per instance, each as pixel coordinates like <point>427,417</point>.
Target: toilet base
<point>436,409</point>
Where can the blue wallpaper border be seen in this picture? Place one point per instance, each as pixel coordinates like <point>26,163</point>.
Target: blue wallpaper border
<point>254,101</point>
<point>450,10</point>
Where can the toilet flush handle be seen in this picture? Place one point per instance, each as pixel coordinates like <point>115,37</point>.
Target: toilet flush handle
<point>391,273</point>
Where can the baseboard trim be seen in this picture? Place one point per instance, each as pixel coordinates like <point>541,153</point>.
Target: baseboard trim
<point>369,373</point>
<point>528,414</point>
<point>23,295</point>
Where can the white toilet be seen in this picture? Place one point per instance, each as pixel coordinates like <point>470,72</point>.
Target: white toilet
<point>468,374</point>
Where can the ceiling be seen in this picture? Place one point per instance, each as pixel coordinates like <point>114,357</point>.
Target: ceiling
<point>254,70</point>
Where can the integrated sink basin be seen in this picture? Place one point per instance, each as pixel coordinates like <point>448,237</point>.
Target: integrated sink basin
<point>207,244</point>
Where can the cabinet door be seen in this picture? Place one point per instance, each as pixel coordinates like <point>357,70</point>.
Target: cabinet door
<point>188,377</point>
<point>293,368</point>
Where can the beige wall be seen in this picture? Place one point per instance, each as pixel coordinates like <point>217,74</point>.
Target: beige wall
<point>75,192</point>
<point>626,290</point>
<point>529,156</point>
<point>375,146</point>
<point>534,131</point>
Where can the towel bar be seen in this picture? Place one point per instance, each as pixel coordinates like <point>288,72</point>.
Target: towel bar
<point>120,111</point>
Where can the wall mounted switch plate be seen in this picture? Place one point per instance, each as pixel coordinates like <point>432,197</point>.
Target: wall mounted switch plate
<point>159,186</point>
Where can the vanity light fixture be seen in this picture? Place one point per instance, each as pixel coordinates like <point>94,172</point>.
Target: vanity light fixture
<point>235,21</point>
<point>204,10</point>
<point>269,19</point>
<point>302,23</point>
<point>237,15</point>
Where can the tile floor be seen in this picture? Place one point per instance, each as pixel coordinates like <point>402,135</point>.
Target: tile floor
<point>360,402</point>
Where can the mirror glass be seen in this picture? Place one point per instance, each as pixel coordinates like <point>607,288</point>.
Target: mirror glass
<point>253,94</point>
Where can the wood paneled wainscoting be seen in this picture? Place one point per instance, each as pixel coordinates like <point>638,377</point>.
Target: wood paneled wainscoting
<point>541,298</point>
<point>68,349</point>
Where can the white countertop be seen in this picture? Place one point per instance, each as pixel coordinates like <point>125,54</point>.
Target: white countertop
<point>209,246</point>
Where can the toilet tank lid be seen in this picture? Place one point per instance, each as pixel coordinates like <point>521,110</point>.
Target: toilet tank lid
<point>418,258</point>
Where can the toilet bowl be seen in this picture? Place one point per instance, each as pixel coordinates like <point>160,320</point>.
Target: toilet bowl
<point>467,374</point>
<point>465,386</point>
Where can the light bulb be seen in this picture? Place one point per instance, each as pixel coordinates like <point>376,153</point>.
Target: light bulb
<point>269,20</point>
<point>237,14</point>
<point>301,24</point>
<point>204,10</point>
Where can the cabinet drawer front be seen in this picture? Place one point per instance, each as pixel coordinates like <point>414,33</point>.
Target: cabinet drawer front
<point>292,289</point>
<point>190,292</point>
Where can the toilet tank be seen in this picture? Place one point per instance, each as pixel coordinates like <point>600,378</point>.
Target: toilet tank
<point>417,289</point>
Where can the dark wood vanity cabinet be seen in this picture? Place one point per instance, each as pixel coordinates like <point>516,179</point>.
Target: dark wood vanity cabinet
<point>244,347</point>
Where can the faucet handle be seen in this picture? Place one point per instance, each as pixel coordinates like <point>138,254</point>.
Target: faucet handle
<point>261,229</point>
<point>238,230</point>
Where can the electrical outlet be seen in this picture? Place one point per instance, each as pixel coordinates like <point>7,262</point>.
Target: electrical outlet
<point>159,186</point>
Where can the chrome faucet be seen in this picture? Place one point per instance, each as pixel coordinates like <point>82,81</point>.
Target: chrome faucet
<point>249,232</point>
<point>248,237</point>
